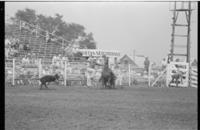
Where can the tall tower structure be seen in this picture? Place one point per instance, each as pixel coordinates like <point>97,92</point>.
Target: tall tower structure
<point>181,8</point>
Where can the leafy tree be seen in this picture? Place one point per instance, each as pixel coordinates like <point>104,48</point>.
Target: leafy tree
<point>57,26</point>
<point>27,15</point>
<point>88,42</point>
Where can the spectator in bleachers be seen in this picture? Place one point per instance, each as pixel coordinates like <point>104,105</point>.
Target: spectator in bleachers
<point>25,60</point>
<point>33,58</point>
<point>21,46</point>
<point>15,43</point>
<point>11,51</point>
<point>59,62</point>
<point>11,43</point>
<point>46,71</point>
<point>16,52</point>
<point>26,47</point>
<point>7,42</point>
<point>55,60</point>
<point>64,58</point>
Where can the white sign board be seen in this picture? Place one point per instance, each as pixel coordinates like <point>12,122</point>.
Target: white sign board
<point>139,60</point>
<point>98,53</point>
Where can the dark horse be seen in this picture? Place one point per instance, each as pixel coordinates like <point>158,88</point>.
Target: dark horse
<point>107,77</point>
<point>47,79</point>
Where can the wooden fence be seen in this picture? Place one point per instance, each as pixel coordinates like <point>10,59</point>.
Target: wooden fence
<point>194,77</point>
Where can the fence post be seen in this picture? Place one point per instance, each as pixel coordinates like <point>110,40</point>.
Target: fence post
<point>40,67</point>
<point>149,74</point>
<point>65,68</point>
<point>189,75</point>
<point>20,25</point>
<point>120,79</point>
<point>129,76</point>
<point>13,79</point>
<point>167,71</point>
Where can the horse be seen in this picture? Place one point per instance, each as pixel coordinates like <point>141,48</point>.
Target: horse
<point>107,78</point>
<point>47,79</point>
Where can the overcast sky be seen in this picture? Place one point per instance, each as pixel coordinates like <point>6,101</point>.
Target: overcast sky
<point>123,26</point>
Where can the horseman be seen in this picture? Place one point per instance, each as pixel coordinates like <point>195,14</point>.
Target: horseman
<point>107,77</point>
<point>90,70</point>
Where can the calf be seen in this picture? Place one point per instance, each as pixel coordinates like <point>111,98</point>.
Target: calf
<point>47,79</point>
<point>175,78</point>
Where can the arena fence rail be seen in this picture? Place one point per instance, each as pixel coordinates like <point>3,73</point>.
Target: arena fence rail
<point>193,77</point>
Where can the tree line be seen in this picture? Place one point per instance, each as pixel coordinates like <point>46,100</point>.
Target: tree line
<point>57,26</point>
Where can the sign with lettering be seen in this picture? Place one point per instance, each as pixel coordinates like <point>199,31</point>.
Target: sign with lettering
<point>97,53</point>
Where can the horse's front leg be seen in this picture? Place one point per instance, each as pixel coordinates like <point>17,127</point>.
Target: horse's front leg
<point>45,85</point>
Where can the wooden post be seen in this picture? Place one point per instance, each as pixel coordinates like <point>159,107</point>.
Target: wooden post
<point>20,25</point>
<point>129,76</point>
<point>188,39</point>
<point>188,32</point>
<point>13,79</point>
<point>40,67</point>
<point>173,32</point>
<point>149,74</point>
<point>65,72</point>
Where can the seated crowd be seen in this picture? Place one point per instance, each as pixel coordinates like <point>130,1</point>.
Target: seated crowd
<point>59,60</point>
<point>13,46</point>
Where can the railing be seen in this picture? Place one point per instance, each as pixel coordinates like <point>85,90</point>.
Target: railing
<point>194,77</point>
<point>18,73</point>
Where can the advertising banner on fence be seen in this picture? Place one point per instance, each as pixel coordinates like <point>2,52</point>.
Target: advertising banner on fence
<point>95,52</point>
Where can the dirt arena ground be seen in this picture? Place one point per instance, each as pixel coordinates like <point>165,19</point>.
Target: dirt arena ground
<point>79,108</point>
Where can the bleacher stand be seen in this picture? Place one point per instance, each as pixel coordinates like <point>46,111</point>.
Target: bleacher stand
<point>40,46</point>
<point>25,60</point>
